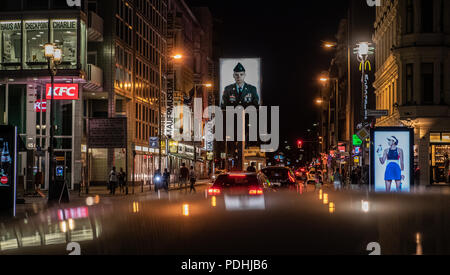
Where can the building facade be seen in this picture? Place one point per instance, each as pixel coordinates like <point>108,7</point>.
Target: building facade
<point>412,77</point>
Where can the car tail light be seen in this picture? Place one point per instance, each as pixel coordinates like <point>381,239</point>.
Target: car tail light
<point>214,191</point>
<point>255,192</point>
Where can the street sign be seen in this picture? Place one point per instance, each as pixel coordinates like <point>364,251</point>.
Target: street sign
<point>108,133</point>
<point>363,134</point>
<point>377,113</point>
<point>154,142</point>
<point>357,141</point>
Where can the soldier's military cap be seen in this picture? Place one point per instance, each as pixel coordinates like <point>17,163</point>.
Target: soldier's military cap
<point>239,68</point>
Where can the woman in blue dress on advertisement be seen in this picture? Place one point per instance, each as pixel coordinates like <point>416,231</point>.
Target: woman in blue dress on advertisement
<point>394,157</point>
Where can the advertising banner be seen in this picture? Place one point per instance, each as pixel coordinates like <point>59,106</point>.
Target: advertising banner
<point>392,159</point>
<point>8,169</point>
<point>240,82</point>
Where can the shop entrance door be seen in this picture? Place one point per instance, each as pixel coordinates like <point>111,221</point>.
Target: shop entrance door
<point>438,172</point>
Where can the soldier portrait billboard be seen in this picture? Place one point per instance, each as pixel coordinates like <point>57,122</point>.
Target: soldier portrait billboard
<point>240,82</point>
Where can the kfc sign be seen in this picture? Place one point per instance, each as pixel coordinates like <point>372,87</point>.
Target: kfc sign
<point>40,106</point>
<point>62,91</point>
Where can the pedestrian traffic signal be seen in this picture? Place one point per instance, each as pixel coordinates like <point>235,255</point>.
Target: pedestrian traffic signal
<point>300,144</point>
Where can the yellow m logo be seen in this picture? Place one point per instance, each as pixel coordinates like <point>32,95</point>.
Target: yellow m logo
<point>367,64</point>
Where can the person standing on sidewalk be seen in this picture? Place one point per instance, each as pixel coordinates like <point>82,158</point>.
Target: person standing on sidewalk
<point>113,179</point>
<point>337,180</point>
<point>193,179</point>
<point>166,179</point>
<point>184,175</point>
<point>122,180</point>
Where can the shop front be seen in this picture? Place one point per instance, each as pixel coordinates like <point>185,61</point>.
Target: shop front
<point>25,91</point>
<point>439,149</point>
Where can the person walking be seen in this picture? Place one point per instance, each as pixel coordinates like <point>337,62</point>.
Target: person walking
<point>157,179</point>
<point>122,181</point>
<point>113,179</point>
<point>166,180</point>
<point>184,175</point>
<point>337,180</point>
<point>193,179</point>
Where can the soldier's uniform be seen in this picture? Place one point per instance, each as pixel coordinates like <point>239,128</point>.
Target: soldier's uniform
<point>235,96</point>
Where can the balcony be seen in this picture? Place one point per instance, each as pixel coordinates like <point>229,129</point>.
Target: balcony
<point>95,28</point>
<point>94,79</point>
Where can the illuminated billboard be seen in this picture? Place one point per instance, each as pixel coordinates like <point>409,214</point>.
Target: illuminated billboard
<point>392,159</point>
<point>62,91</point>
<point>240,82</point>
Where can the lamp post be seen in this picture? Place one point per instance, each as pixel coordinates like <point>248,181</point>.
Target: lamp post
<point>54,57</point>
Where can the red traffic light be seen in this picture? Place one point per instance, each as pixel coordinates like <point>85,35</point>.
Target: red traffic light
<point>300,144</point>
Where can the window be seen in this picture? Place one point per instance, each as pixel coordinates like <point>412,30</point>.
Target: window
<point>65,37</point>
<point>427,83</point>
<point>36,36</point>
<point>11,36</point>
<point>410,16</point>
<point>427,16</point>
<point>409,83</point>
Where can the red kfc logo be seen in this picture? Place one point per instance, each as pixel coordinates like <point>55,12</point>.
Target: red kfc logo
<point>4,180</point>
<point>40,106</point>
<point>62,91</point>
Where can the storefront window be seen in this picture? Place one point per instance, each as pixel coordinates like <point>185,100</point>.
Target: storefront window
<point>11,50</point>
<point>17,116</point>
<point>36,36</point>
<point>64,33</point>
<point>2,104</point>
<point>63,121</point>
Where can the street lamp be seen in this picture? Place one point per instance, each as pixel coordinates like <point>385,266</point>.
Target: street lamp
<point>54,57</point>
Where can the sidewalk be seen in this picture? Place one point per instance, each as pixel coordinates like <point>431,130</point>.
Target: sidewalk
<point>35,204</point>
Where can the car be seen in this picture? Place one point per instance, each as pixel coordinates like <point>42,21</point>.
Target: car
<point>217,174</point>
<point>311,176</point>
<point>237,183</point>
<point>300,173</point>
<point>279,177</point>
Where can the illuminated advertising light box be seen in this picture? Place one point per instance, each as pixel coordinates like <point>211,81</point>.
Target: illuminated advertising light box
<point>392,159</point>
<point>240,82</point>
<point>62,91</point>
<point>8,168</point>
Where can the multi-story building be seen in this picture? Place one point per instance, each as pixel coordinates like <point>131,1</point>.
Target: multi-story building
<point>112,51</point>
<point>412,77</point>
<point>190,35</point>
<point>342,110</point>
<point>131,54</point>
<point>25,27</point>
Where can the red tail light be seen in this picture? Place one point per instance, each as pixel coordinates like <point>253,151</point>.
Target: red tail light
<point>214,191</point>
<point>255,191</point>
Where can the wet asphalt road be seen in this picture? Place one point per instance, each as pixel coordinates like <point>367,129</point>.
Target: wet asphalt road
<point>291,222</point>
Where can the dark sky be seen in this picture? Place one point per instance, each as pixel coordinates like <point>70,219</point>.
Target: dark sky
<point>287,36</point>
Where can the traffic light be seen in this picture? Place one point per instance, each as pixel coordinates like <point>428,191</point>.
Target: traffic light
<point>300,144</point>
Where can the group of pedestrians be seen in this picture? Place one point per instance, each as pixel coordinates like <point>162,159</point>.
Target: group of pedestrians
<point>160,181</point>
<point>117,180</point>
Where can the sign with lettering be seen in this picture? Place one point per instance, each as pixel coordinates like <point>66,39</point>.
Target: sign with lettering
<point>169,108</point>
<point>40,106</point>
<point>62,91</point>
<point>34,25</point>
<point>107,133</point>
<point>11,26</point>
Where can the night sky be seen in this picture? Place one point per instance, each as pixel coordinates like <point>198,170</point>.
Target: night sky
<point>287,36</point>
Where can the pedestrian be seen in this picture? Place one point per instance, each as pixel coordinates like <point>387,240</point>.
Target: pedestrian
<point>113,181</point>
<point>251,168</point>
<point>157,179</point>
<point>337,180</point>
<point>166,180</point>
<point>122,180</point>
<point>184,175</point>
<point>193,179</point>
<point>318,184</point>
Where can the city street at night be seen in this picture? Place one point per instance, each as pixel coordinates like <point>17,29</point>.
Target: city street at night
<point>211,136</point>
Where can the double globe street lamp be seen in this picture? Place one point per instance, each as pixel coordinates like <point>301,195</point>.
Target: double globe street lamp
<point>54,58</point>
